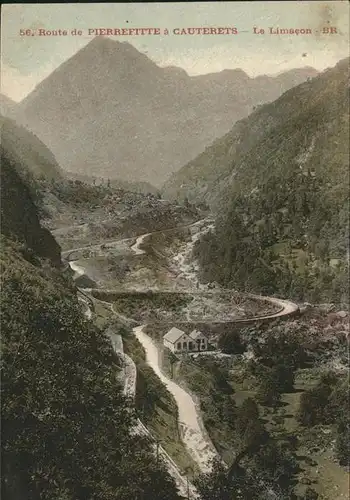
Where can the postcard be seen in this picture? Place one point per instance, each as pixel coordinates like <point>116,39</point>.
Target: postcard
<point>175,250</point>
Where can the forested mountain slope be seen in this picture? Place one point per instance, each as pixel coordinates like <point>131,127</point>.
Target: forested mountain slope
<point>307,125</point>
<point>66,429</point>
<point>19,214</point>
<point>283,223</point>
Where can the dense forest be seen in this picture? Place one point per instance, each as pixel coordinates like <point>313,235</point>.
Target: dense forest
<point>67,430</point>
<point>264,455</point>
<point>283,221</point>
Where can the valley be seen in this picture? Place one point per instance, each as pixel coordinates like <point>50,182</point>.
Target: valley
<point>174,296</point>
<point>159,290</point>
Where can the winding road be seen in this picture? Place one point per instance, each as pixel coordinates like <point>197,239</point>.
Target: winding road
<point>198,444</point>
<point>193,432</point>
<point>136,248</point>
<point>184,486</point>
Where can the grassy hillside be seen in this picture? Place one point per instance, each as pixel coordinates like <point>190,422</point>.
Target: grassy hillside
<point>66,427</point>
<point>285,423</point>
<point>283,191</point>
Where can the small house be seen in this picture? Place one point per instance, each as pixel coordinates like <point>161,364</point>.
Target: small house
<point>200,340</point>
<point>177,341</point>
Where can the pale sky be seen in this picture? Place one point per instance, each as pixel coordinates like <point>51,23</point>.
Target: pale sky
<point>26,60</point>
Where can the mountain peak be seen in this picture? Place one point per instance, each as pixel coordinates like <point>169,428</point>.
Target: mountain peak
<point>175,71</point>
<point>107,45</point>
<point>235,71</point>
<point>105,52</point>
<point>105,42</point>
<point>110,109</point>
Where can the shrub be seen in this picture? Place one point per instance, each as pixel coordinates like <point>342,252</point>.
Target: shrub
<point>342,444</point>
<point>231,343</point>
<point>316,402</point>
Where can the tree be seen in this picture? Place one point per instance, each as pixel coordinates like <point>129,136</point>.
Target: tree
<point>284,374</point>
<point>228,411</point>
<point>281,345</point>
<point>255,435</point>
<point>248,411</point>
<point>268,393</point>
<point>342,444</point>
<point>313,407</point>
<point>231,343</point>
<point>172,360</point>
<point>277,463</point>
<point>187,204</point>
<point>219,485</point>
<point>310,494</point>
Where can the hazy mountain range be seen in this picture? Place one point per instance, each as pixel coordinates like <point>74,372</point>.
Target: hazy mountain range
<point>306,125</point>
<point>110,111</point>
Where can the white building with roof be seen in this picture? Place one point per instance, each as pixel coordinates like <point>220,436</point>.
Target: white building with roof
<point>200,340</point>
<point>178,341</point>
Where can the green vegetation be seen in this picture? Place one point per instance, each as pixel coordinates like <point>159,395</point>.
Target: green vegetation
<point>78,193</point>
<point>30,156</point>
<point>283,422</point>
<point>231,342</point>
<point>246,237</point>
<point>19,215</point>
<point>150,306</point>
<point>136,187</point>
<point>66,427</point>
<point>279,183</point>
<point>328,403</point>
<point>207,379</point>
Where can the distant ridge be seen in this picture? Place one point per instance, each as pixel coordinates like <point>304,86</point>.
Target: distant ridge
<point>278,183</point>
<point>111,111</point>
<point>225,161</point>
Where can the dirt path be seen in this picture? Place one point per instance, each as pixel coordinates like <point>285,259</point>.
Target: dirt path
<point>130,377</point>
<point>136,248</point>
<point>76,268</point>
<point>198,444</point>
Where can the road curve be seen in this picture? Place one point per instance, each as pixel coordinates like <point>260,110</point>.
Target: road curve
<point>184,486</point>
<point>136,248</point>
<point>66,253</point>
<point>198,444</point>
<point>286,308</point>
